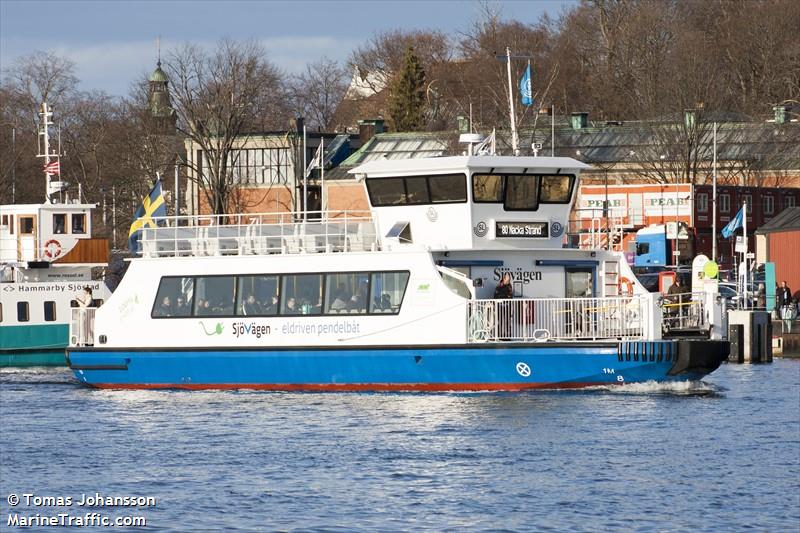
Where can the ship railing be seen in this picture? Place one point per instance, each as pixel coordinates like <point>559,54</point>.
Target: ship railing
<point>81,326</point>
<point>260,234</point>
<point>685,312</point>
<point>558,319</point>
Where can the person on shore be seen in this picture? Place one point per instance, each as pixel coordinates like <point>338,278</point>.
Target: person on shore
<point>761,297</point>
<point>783,298</point>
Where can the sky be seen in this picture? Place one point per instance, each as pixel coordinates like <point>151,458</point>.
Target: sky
<point>113,42</point>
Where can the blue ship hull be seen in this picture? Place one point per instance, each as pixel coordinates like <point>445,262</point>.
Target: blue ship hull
<point>474,367</point>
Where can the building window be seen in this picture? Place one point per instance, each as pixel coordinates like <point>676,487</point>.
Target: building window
<point>59,223</point>
<point>49,311</point>
<point>749,199</point>
<point>259,165</point>
<point>26,225</point>
<point>702,203</point>
<point>23,314</point>
<point>724,203</point>
<point>79,223</point>
<point>788,201</point>
<point>769,205</point>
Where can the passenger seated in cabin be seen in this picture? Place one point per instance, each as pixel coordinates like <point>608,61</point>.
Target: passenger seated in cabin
<point>386,301</point>
<point>340,300</point>
<point>181,307</point>
<point>250,306</point>
<point>291,306</point>
<point>204,308</point>
<point>223,306</point>
<point>359,300</point>
<point>165,307</point>
<point>271,308</point>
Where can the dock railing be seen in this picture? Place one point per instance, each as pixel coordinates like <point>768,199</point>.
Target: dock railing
<point>558,319</point>
<point>260,234</point>
<point>81,326</point>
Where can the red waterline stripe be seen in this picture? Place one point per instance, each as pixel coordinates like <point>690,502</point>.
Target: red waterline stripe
<point>349,387</point>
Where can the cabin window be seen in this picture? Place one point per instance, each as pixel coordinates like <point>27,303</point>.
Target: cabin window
<point>215,296</point>
<point>258,296</point>
<point>8,221</point>
<point>49,311</point>
<point>174,297</point>
<point>386,191</point>
<point>487,188</point>
<point>555,189</point>
<point>302,294</point>
<point>642,248</point>
<point>388,289</point>
<point>347,293</point>
<point>522,193</point>
<point>59,223</point>
<point>417,190</point>
<point>79,223</point>
<point>26,225</point>
<point>23,314</point>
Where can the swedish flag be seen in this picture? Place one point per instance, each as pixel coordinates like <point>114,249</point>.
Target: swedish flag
<point>152,206</point>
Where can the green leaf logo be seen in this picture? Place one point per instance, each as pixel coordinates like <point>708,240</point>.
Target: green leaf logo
<point>216,331</point>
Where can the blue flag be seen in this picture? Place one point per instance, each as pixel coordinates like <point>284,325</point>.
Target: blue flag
<point>734,224</point>
<point>152,206</point>
<point>525,87</point>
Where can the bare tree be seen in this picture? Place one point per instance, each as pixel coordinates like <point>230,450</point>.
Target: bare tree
<point>220,97</point>
<point>42,77</point>
<point>318,90</point>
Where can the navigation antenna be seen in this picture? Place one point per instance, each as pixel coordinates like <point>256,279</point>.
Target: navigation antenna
<point>52,159</point>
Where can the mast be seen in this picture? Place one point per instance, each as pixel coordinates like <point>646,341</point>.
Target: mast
<point>514,138</point>
<point>50,187</point>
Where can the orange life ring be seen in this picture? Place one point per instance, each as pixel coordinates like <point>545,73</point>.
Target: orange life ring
<point>52,249</point>
<point>625,286</point>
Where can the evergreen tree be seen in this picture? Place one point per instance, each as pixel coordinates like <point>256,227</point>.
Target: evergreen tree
<point>407,104</point>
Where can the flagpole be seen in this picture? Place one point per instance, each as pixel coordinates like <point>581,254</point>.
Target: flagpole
<point>552,130</point>
<point>514,139</point>
<point>744,226</point>
<point>714,200</point>
<point>322,176</point>
<point>305,175</point>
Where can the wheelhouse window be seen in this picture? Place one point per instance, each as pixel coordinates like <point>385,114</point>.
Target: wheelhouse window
<point>522,192</point>
<point>346,293</point>
<point>387,191</point>
<point>78,223</point>
<point>59,223</point>
<point>49,311</point>
<point>417,190</point>
<point>302,294</point>
<point>488,188</point>
<point>23,314</point>
<point>215,296</point>
<point>258,296</point>
<point>555,189</point>
<point>174,297</point>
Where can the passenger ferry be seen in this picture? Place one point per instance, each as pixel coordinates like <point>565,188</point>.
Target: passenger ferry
<point>401,298</point>
<point>46,258</point>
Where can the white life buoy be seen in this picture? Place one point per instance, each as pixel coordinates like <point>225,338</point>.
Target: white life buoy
<point>52,249</point>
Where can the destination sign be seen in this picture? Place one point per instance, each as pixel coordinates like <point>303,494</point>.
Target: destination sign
<point>522,229</point>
